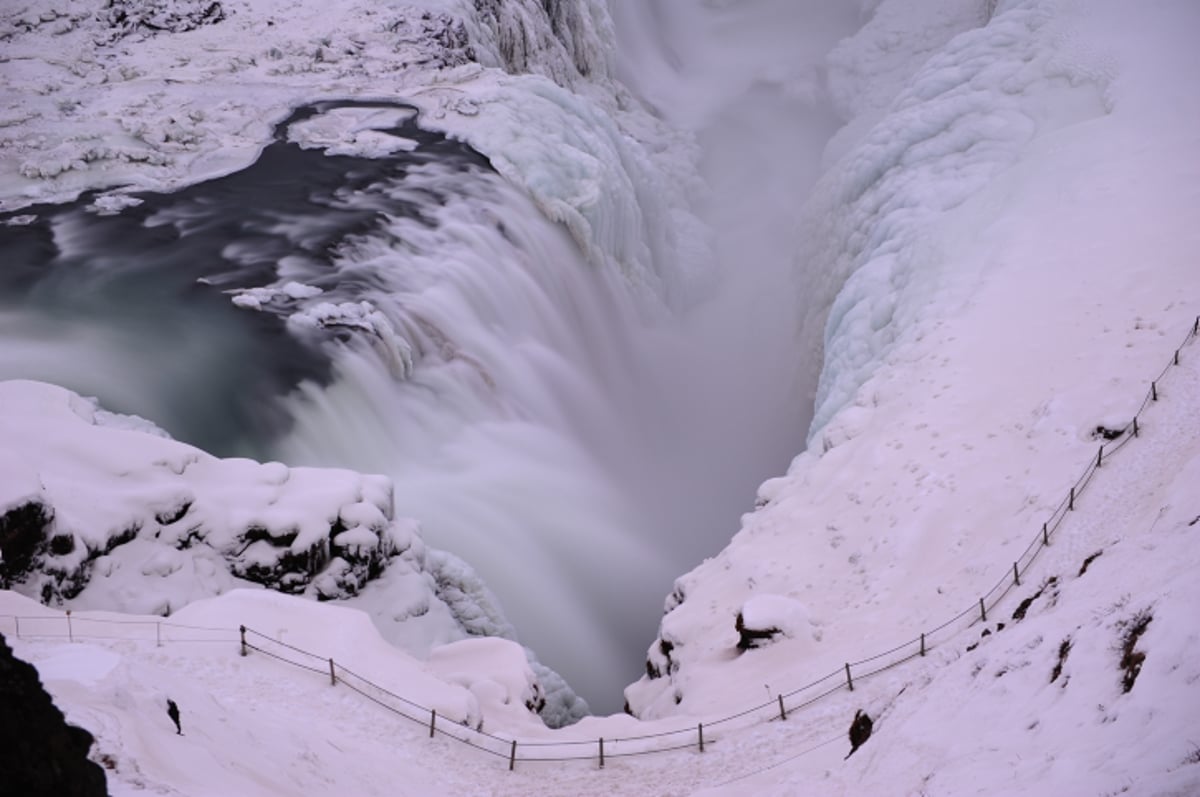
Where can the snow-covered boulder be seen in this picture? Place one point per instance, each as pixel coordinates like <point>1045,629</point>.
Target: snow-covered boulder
<point>763,618</point>
<point>494,670</point>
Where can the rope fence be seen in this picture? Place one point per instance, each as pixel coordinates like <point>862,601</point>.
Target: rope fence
<point>692,737</point>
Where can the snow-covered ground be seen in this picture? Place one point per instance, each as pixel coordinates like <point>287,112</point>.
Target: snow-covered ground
<point>996,258</point>
<point>1036,707</point>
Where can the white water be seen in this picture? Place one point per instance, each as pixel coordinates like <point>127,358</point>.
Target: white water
<point>574,453</point>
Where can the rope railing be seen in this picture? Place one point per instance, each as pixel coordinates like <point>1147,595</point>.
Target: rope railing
<point>691,737</point>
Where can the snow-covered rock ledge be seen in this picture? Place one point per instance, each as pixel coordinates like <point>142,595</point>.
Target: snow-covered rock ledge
<point>89,497</point>
<point>105,511</point>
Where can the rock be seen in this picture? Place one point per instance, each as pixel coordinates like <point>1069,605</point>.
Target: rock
<point>161,16</point>
<point>22,538</point>
<point>40,754</point>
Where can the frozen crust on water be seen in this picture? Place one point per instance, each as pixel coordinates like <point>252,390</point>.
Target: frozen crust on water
<point>166,96</point>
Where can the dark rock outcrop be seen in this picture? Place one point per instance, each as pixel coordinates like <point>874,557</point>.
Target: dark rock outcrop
<point>161,16</point>
<point>23,531</point>
<point>40,754</point>
<point>753,637</point>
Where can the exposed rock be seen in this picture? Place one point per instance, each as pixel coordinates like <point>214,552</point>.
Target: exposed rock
<point>40,754</point>
<point>753,637</point>
<point>440,37</point>
<point>1132,659</point>
<point>23,539</point>
<point>160,16</point>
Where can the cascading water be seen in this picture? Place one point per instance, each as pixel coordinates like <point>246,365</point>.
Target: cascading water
<point>578,451</point>
<point>550,434</point>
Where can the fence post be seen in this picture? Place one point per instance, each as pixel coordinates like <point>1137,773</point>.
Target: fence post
<point>1045,534</point>
<point>700,728</point>
<point>1177,356</point>
<point>1071,500</point>
<point>158,635</point>
<point>1100,457</point>
<point>242,628</point>
<point>1135,427</point>
<point>1154,390</point>
<point>17,620</point>
<point>849,680</point>
<point>783,714</point>
<point>1196,326</point>
<point>922,643</point>
<point>70,632</point>
<point>332,674</point>
<point>982,610</point>
<point>602,752</point>
<point>433,726</point>
<point>1016,575</point>
<point>512,756</point>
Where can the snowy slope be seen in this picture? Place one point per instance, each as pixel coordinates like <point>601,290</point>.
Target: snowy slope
<point>1004,713</point>
<point>1001,308</point>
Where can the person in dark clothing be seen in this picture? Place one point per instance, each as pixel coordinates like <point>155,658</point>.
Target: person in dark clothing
<point>173,713</point>
<point>860,731</point>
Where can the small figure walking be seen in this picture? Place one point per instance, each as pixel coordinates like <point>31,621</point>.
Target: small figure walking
<point>173,713</point>
<point>860,731</point>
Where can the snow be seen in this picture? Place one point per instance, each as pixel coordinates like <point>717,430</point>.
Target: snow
<point>128,501</point>
<point>995,259</point>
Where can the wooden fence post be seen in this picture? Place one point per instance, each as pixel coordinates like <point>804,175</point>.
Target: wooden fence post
<point>1016,575</point>
<point>1045,534</point>
<point>158,635</point>
<point>922,643</point>
<point>70,632</point>
<point>1154,390</point>
<point>782,713</point>
<point>332,674</point>
<point>700,729</point>
<point>1100,457</point>
<point>849,680</point>
<point>17,620</point>
<point>243,630</point>
<point>433,725</point>
<point>1071,500</point>
<point>602,752</point>
<point>512,756</point>
<point>1135,426</point>
<point>982,610</point>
